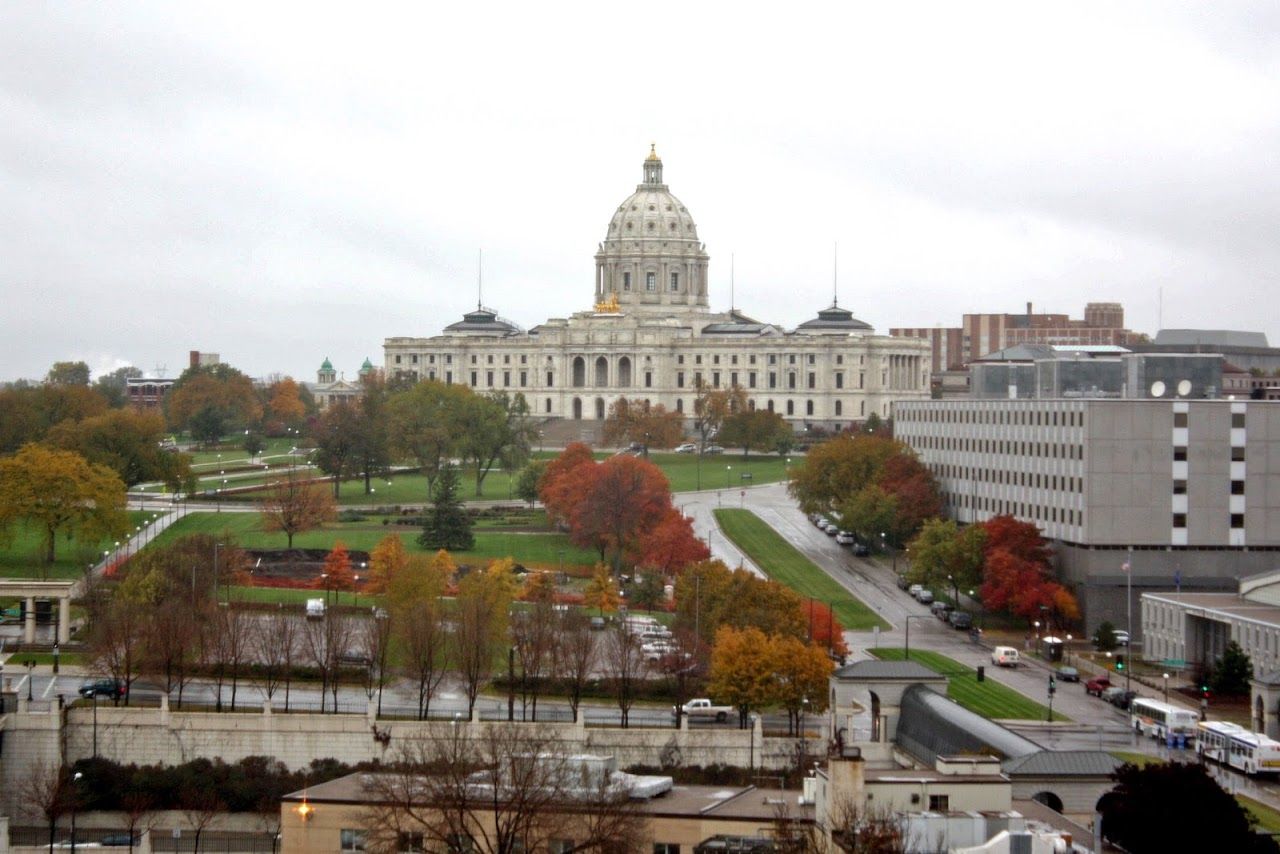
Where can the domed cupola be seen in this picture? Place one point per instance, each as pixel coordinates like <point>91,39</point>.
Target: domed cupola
<point>651,258</point>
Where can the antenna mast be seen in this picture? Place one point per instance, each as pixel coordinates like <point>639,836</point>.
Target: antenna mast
<point>479,279</point>
<point>835,273</point>
<point>731,284</point>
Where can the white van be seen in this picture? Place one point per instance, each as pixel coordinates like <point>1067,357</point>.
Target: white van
<point>315,609</point>
<point>1004,656</point>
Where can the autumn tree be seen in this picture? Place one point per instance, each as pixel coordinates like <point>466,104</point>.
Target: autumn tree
<point>59,493</point>
<point>114,386</point>
<point>711,406</point>
<point>293,505</point>
<point>800,671</point>
<point>838,468</point>
<point>336,572</point>
<point>601,591</point>
<point>555,489</point>
<point>753,430</point>
<point>492,429</point>
<point>27,413</point>
<point>284,403</point>
<point>387,560</point>
<point>480,623</point>
<point>528,479</point>
<point>638,421</point>
<point>420,628</point>
<point>669,546</point>
<point>533,636</point>
<point>944,552</point>
<point>740,674</point>
<point>335,434</point>
<point>127,442</point>
<point>709,595</point>
<point>627,499</point>
<point>372,448</point>
<point>68,373</point>
<point>211,399</point>
<point>445,524</point>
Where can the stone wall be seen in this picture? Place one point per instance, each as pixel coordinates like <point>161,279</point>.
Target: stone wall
<point>160,735</point>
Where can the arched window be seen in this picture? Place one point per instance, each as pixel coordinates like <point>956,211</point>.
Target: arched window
<point>808,407</point>
<point>839,407</point>
<point>547,408</point>
<point>624,372</point>
<point>651,281</point>
<point>769,405</point>
<point>599,408</point>
<point>577,409</point>
<point>579,372</point>
<point>679,404</point>
<point>602,371</point>
<point>675,282</point>
<point>791,407</point>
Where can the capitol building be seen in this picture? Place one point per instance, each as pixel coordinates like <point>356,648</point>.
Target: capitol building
<point>651,335</point>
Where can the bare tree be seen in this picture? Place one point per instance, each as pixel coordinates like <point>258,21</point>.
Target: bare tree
<point>274,644</point>
<point>116,639</point>
<point>339,631</point>
<point>203,806</point>
<point>510,788</point>
<point>45,790</point>
<point>315,650</point>
<point>294,505</point>
<point>624,665</point>
<point>473,644</point>
<point>372,637</point>
<point>231,628</point>
<point>139,812</point>
<point>424,642</point>
<point>575,654</point>
<point>171,644</point>
<point>533,634</point>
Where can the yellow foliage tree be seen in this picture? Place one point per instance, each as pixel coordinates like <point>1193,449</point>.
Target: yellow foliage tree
<point>741,672</point>
<point>538,587</point>
<point>386,560</point>
<point>423,579</point>
<point>285,401</point>
<point>602,592</point>
<point>800,673</point>
<point>59,492</point>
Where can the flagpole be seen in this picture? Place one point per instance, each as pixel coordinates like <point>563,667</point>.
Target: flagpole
<point>1128,601</point>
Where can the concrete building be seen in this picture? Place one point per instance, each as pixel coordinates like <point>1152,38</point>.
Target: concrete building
<point>953,348</point>
<point>1185,489</point>
<point>1102,371</point>
<point>652,335</point>
<point>1246,350</point>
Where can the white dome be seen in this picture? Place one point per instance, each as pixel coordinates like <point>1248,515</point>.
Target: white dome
<point>652,212</point>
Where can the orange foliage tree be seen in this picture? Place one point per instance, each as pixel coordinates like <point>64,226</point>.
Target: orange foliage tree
<point>1017,577</point>
<point>337,569</point>
<point>670,545</point>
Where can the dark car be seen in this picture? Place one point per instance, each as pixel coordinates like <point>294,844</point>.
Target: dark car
<point>112,689</point>
<point>1121,698</point>
<point>119,840</point>
<point>903,584</point>
<point>713,449</point>
<point>960,620</point>
<point>1067,674</point>
<point>862,550</point>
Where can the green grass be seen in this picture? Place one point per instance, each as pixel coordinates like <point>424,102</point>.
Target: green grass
<point>988,698</point>
<point>23,556</point>
<point>1267,817</point>
<point>687,472</point>
<point>782,562</point>
<point>1133,758</point>
<point>541,550</point>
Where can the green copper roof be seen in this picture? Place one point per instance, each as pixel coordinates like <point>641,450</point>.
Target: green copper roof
<point>326,365</point>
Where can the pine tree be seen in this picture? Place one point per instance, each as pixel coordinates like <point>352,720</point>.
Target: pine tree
<point>1233,672</point>
<point>447,525</point>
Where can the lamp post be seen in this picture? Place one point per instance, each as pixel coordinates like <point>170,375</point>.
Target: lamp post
<point>727,470</point>
<point>1068,648</point>
<point>75,781</point>
<point>1128,606</point>
<point>804,708</point>
<point>30,666</point>
<point>1166,687</point>
<point>355,591</point>
<point>908,620</point>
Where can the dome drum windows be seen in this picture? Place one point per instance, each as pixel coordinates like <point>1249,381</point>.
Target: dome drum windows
<point>651,281</point>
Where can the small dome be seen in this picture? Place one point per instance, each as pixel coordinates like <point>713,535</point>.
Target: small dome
<point>326,365</point>
<point>367,366</point>
<point>835,320</point>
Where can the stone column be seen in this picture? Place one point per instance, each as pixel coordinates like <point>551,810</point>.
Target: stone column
<point>29,624</point>
<point>64,619</point>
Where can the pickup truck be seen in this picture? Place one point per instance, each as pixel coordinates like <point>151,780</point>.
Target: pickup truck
<point>702,709</point>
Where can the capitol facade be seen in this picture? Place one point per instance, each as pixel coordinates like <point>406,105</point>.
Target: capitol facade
<point>652,336</point>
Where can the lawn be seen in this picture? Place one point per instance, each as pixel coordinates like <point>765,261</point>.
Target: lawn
<point>1268,818</point>
<point>544,550</point>
<point>782,562</point>
<point>23,556</point>
<point>988,698</point>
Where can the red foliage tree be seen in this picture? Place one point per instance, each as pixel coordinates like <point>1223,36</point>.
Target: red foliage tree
<point>556,491</point>
<point>337,569</point>
<point>824,627</point>
<point>670,545</point>
<point>1020,539</point>
<point>625,498</point>
<point>914,490</point>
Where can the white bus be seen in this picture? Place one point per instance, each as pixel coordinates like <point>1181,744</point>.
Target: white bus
<point>1236,747</point>
<point>1157,719</point>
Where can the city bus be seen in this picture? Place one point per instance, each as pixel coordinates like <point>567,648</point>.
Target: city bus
<point>1236,747</point>
<point>1158,720</point>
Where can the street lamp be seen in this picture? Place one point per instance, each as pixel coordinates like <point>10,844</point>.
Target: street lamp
<point>909,618</point>
<point>75,780</point>
<point>1166,688</point>
<point>1068,649</point>
<point>727,470</point>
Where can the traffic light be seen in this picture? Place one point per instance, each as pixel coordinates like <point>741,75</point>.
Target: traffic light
<point>1204,690</point>
<point>1119,663</point>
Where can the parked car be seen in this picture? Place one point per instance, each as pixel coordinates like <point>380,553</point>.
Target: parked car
<point>960,620</point>
<point>925,597</point>
<point>902,582</point>
<point>1122,637</point>
<point>1067,674</point>
<point>687,448</point>
<point>713,449</point>
<point>1097,685</point>
<point>940,610</point>
<point>861,549</point>
<point>1004,656</point>
<point>832,529</point>
<point>112,689</point>
<point>597,623</point>
<point>844,538</point>
<point>1119,697</point>
<point>703,709</point>
<point>117,840</point>
<point>915,589</point>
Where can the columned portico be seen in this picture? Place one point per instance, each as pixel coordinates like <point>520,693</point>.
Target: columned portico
<point>29,592</point>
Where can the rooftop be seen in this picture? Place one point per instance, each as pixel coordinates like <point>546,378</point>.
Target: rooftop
<point>875,669</point>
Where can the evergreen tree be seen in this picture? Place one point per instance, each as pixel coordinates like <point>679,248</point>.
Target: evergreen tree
<point>1233,671</point>
<point>447,525</point>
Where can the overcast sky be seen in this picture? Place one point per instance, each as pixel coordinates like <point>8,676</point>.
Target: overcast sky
<point>280,184</point>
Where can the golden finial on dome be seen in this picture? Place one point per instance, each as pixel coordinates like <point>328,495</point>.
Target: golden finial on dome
<point>653,151</point>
